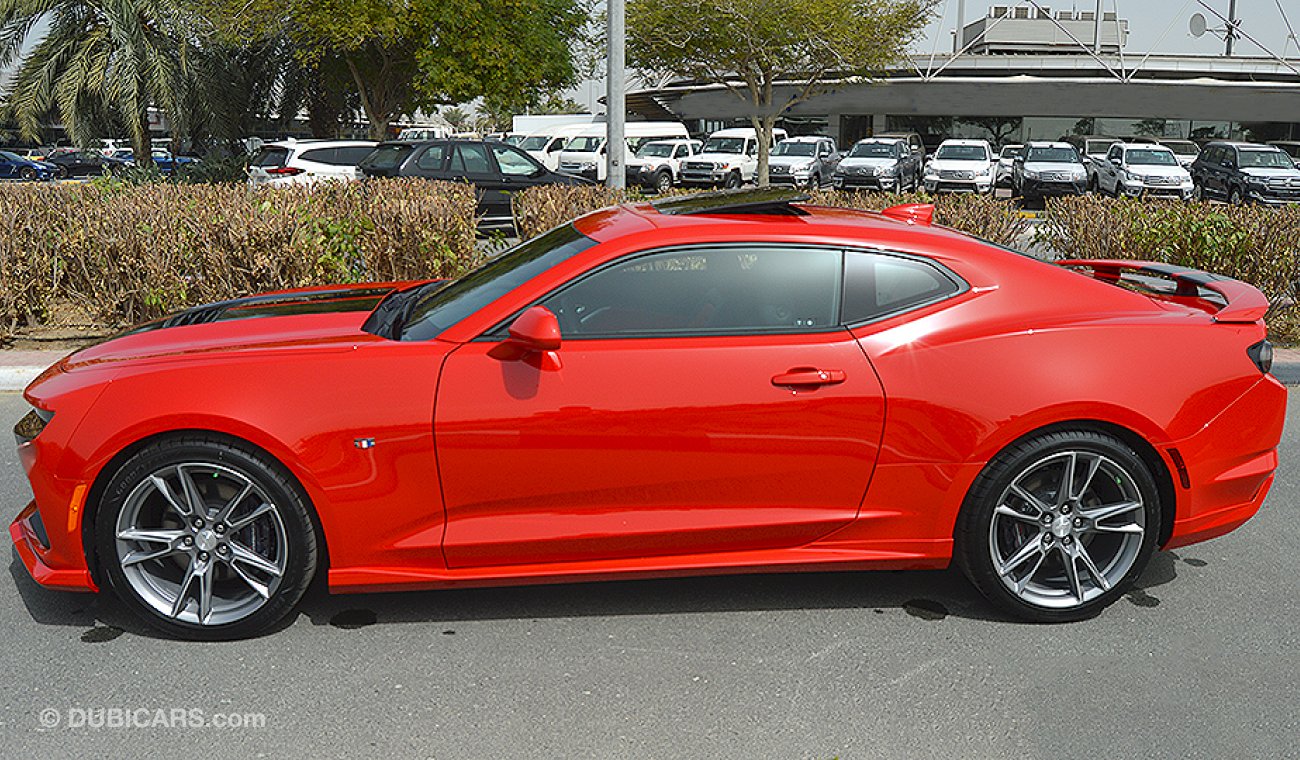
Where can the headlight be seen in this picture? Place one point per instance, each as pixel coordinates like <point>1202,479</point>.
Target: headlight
<point>984,172</point>
<point>1257,181</point>
<point>1079,174</point>
<point>31,425</point>
<point>1030,174</point>
<point>801,167</point>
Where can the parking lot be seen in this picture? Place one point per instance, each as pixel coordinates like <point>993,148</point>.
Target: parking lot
<point>1200,661</point>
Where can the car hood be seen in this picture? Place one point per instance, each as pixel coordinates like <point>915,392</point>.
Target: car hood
<point>1270,172</point>
<point>789,160</point>
<point>286,320</point>
<point>1053,166</point>
<point>722,158</point>
<point>967,166</point>
<point>1159,171</point>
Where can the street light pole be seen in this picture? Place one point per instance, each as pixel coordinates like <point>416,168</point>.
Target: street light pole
<point>1232,28</point>
<point>615,105</point>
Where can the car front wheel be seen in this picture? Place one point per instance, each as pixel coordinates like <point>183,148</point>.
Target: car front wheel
<point>1235,197</point>
<point>732,181</point>
<point>1059,526</point>
<point>204,538</point>
<point>663,182</point>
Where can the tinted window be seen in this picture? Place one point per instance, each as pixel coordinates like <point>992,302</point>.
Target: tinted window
<point>1051,155</point>
<point>1271,158</point>
<point>318,155</point>
<point>513,162</point>
<point>470,158</point>
<point>1152,157</point>
<point>433,158</point>
<point>386,157</point>
<point>876,150</point>
<point>452,302</point>
<point>271,157</point>
<point>352,155</point>
<point>790,148</point>
<point>705,291</point>
<point>876,285</point>
<point>962,153</point>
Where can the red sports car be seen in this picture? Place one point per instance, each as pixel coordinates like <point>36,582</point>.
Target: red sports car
<point>717,384</point>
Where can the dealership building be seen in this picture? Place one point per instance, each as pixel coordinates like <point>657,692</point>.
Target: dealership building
<point>1026,73</point>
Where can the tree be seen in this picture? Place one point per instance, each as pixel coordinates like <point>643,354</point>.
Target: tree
<point>998,127</point>
<point>423,53</point>
<point>101,62</point>
<point>456,117</point>
<point>751,46</point>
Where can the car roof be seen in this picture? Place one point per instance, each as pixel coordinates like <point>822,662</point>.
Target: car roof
<point>807,138</point>
<point>319,143</point>
<point>1048,144</point>
<point>963,141</point>
<point>1143,146</point>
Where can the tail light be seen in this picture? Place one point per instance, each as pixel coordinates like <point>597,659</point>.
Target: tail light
<point>285,171</point>
<point>1262,354</point>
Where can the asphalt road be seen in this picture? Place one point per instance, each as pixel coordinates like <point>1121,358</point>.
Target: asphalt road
<point>1202,661</point>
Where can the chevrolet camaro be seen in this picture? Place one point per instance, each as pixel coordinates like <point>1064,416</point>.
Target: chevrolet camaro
<point>728,383</point>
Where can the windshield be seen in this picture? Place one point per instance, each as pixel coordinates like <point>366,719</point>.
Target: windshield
<point>962,153</point>
<point>1056,155</point>
<point>1094,147</point>
<point>535,142</point>
<point>655,150</point>
<point>1149,157</point>
<point>1183,149</point>
<point>795,149</point>
<point>584,144</point>
<point>1013,151</point>
<point>1266,159</point>
<point>874,150</point>
<point>724,145</point>
<point>513,139</point>
<point>386,157</point>
<point>446,304</point>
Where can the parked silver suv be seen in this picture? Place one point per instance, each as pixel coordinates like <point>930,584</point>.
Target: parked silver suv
<point>807,161</point>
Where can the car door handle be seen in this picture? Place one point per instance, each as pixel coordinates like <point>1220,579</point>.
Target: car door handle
<point>808,377</point>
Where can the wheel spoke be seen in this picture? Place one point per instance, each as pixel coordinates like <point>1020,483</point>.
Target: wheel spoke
<point>1023,582</point>
<point>241,553</point>
<point>1065,490</point>
<point>262,589</point>
<point>1093,465</point>
<point>229,509</point>
<point>1006,511</point>
<point>182,591</point>
<point>1029,498</point>
<point>150,536</point>
<point>1021,556</point>
<point>1081,552</point>
<point>245,521</point>
<point>1096,515</point>
<point>205,592</point>
<point>177,505</point>
<point>191,491</point>
<point>1072,572</point>
<point>141,555</point>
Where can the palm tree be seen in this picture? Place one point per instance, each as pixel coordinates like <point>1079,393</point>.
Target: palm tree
<point>100,61</point>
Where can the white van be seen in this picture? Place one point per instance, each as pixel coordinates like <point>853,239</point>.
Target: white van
<point>729,158</point>
<point>546,143</point>
<point>584,153</point>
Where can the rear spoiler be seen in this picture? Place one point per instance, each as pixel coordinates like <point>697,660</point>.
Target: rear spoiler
<point>1243,303</point>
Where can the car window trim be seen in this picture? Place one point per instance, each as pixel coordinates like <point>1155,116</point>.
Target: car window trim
<point>961,286</point>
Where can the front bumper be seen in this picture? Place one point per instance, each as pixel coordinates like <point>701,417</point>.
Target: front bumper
<point>863,182</point>
<point>30,540</point>
<point>1139,189</point>
<point>715,177</point>
<point>1037,188</point>
<point>936,185</point>
<point>1274,197</point>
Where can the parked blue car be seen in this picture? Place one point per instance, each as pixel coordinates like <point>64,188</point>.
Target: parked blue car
<point>166,162</point>
<point>14,166</point>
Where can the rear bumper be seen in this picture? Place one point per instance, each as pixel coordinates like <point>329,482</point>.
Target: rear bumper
<point>26,530</point>
<point>1230,465</point>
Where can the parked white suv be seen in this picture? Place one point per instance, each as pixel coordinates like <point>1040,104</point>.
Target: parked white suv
<point>729,158</point>
<point>305,162</point>
<point>961,166</point>
<point>658,165</point>
<point>1135,169</point>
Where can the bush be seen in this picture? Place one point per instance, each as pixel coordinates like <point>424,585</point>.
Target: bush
<point>1250,243</point>
<point>541,208</point>
<point>127,253</point>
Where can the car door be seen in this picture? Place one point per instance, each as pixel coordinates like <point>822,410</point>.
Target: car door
<point>8,168</point>
<point>518,171</point>
<point>1109,169</point>
<point>471,162</point>
<point>705,399</point>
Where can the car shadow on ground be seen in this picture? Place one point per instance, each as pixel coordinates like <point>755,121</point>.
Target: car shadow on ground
<point>924,595</point>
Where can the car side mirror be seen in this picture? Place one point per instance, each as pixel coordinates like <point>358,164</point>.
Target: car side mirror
<point>536,329</point>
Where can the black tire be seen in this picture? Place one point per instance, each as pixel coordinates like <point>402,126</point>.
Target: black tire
<point>1236,197</point>
<point>663,182</point>
<point>292,538</point>
<point>733,181</point>
<point>814,182</point>
<point>28,173</point>
<point>984,527</point>
<point>61,172</point>
<point>1198,192</point>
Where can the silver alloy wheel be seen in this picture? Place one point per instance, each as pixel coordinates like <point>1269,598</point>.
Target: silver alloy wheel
<point>201,543</point>
<point>1068,529</point>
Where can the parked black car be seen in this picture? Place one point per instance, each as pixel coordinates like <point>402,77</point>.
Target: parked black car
<point>1239,172</point>
<point>85,163</point>
<point>495,169</point>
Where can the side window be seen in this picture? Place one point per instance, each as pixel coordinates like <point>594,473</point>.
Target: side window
<point>876,285</point>
<point>705,291</point>
<point>679,151</point>
<point>470,159</point>
<point>351,155</point>
<point>512,162</point>
<point>319,155</point>
<point>432,159</point>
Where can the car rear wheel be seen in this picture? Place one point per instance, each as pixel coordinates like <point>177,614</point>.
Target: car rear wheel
<point>28,173</point>
<point>205,539</point>
<point>1058,527</point>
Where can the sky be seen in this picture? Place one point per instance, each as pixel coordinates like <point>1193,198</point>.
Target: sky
<point>1159,25</point>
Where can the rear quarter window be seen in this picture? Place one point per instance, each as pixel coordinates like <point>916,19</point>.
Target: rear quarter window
<point>271,157</point>
<point>877,285</point>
